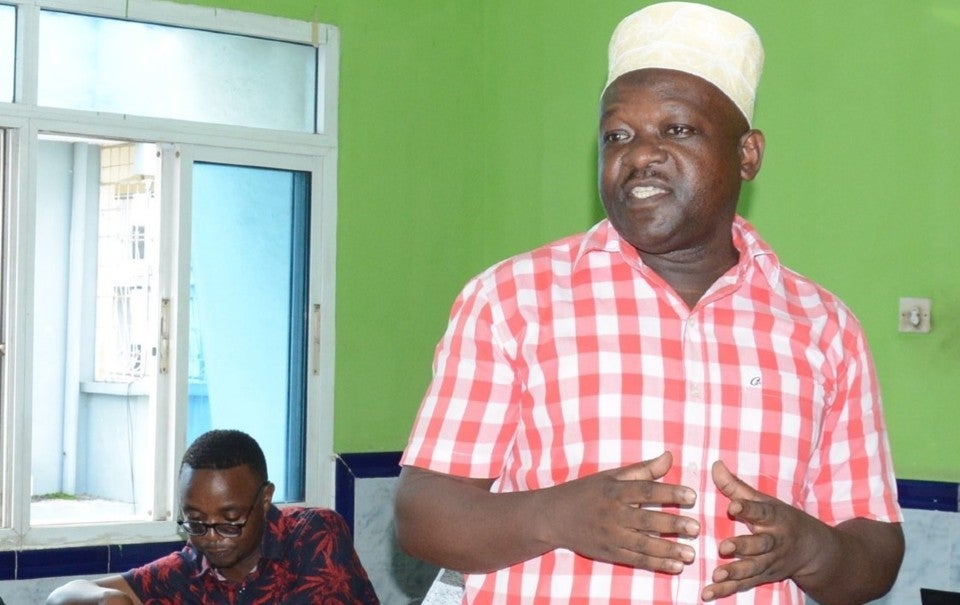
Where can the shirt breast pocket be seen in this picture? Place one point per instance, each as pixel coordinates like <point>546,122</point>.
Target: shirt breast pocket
<point>778,428</point>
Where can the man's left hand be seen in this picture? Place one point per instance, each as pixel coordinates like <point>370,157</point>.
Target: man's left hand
<point>782,541</point>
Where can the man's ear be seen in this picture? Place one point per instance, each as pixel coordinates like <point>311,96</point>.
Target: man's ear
<point>751,154</point>
<point>268,494</point>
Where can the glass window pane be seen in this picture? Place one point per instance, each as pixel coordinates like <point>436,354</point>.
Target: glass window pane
<point>100,64</point>
<point>8,45</point>
<point>95,306</point>
<point>248,309</point>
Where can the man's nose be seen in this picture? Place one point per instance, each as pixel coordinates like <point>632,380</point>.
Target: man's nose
<point>645,150</point>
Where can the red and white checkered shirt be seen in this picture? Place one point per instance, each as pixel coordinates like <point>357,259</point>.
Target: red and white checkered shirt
<point>576,358</point>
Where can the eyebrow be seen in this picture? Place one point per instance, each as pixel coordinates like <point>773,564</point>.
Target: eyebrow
<point>232,508</point>
<point>609,111</point>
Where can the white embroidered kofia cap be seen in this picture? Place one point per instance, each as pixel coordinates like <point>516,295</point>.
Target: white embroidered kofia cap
<point>715,45</point>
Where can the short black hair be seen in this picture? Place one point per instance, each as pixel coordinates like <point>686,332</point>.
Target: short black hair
<point>222,449</point>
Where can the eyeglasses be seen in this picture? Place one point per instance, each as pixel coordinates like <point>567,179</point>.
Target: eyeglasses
<point>230,529</point>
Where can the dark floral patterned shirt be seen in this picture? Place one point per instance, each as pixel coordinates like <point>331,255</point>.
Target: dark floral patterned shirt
<point>307,558</point>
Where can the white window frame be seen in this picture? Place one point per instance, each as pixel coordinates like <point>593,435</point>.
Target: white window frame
<point>183,143</point>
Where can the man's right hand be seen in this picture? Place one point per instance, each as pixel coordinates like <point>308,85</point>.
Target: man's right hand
<point>455,522</point>
<point>606,517</point>
<point>112,590</point>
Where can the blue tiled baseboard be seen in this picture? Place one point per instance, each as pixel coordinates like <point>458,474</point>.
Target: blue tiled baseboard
<point>351,467</point>
<point>80,561</point>
<point>94,560</point>
<point>8,565</point>
<point>929,495</point>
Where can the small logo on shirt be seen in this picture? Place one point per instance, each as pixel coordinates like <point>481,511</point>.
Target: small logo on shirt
<point>755,381</point>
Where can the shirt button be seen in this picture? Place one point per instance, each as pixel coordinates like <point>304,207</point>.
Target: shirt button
<point>696,391</point>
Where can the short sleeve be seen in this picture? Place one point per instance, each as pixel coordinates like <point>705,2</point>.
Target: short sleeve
<point>853,475</point>
<point>467,419</point>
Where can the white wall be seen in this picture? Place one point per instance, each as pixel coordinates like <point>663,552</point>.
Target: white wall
<point>54,184</point>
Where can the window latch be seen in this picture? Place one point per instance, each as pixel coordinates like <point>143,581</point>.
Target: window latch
<point>164,335</point>
<point>315,341</point>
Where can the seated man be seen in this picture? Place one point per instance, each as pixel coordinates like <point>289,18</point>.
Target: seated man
<point>241,548</point>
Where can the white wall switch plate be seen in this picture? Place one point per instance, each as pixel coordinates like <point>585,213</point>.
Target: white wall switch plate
<point>915,315</point>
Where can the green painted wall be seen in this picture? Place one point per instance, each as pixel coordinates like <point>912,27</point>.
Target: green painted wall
<point>467,134</point>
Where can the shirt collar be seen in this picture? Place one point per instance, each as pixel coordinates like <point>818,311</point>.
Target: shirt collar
<point>272,547</point>
<point>754,252</point>
<point>600,237</point>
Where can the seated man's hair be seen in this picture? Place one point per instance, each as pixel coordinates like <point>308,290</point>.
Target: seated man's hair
<point>225,449</point>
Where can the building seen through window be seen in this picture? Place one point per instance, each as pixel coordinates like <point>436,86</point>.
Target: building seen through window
<point>169,273</point>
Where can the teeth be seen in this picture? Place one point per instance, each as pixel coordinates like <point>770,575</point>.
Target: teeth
<point>645,192</point>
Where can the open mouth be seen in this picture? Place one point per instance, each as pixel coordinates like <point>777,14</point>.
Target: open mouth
<point>644,192</point>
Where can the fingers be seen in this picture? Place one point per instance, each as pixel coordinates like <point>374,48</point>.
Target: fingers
<point>641,486</point>
<point>763,555</point>
<point>657,554</point>
<point>729,484</point>
<point>712,592</point>
<point>738,576</point>
<point>648,470</point>
<point>747,546</point>
<point>747,504</point>
<point>647,548</point>
<point>661,523</point>
<point>625,518</point>
<point>650,547</point>
<point>753,513</point>
<point>641,538</point>
<point>649,493</point>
